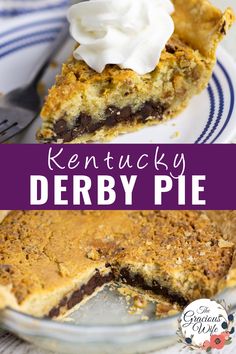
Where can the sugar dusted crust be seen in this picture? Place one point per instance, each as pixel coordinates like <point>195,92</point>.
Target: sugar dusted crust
<point>86,106</point>
<point>53,260</point>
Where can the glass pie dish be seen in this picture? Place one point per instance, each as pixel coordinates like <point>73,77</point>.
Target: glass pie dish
<point>102,325</point>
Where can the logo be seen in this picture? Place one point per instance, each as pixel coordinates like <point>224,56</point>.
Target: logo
<point>206,324</point>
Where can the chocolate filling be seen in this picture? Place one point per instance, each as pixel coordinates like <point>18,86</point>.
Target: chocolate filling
<point>138,281</point>
<point>77,296</point>
<point>84,123</point>
<point>125,276</point>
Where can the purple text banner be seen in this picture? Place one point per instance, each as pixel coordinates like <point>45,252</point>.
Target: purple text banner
<point>107,176</point>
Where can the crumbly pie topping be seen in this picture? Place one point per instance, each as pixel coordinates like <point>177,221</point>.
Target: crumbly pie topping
<point>51,260</point>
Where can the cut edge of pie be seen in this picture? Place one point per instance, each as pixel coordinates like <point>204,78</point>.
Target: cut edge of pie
<point>182,257</point>
<point>86,106</point>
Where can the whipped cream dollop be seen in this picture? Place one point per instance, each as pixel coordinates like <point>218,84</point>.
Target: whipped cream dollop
<point>129,33</point>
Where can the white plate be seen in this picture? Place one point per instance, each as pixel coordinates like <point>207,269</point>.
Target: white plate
<point>209,118</point>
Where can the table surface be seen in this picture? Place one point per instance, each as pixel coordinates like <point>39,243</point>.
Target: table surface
<point>9,344</point>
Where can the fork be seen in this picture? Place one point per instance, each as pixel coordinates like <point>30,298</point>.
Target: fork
<point>21,106</point>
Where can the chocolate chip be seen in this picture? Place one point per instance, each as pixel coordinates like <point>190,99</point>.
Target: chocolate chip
<point>115,115</point>
<point>63,302</point>
<point>152,109</point>
<point>55,311</point>
<point>125,114</point>
<point>75,299</point>
<point>170,49</point>
<point>159,109</point>
<point>109,277</point>
<point>78,121</point>
<point>67,136</point>
<point>125,275</point>
<point>60,126</point>
<point>85,120</point>
<point>147,111</point>
<point>95,126</point>
<point>111,121</point>
<point>111,111</point>
<point>94,282</point>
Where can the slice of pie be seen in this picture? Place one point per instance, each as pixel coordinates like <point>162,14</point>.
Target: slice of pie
<point>87,106</point>
<point>53,260</point>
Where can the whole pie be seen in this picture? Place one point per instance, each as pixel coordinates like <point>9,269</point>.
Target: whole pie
<point>53,260</point>
<point>85,105</point>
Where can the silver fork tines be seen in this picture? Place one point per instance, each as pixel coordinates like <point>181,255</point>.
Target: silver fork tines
<point>20,107</point>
